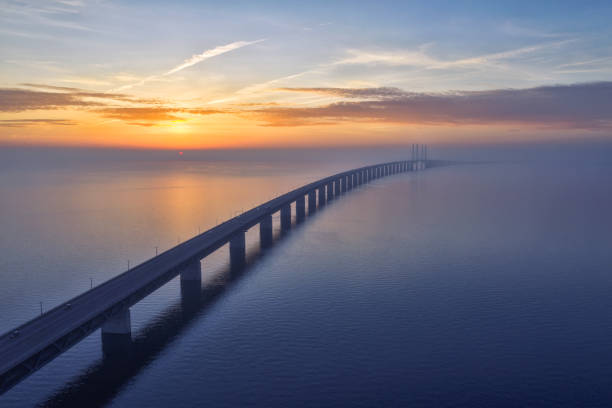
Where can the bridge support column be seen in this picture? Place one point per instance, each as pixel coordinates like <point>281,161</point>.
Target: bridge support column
<point>300,209</point>
<point>237,249</point>
<point>191,286</point>
<point>312,202</point>
<point>265,232</point>
<point>322,198</point>
<point>330,191</point>
<point>193,272</point>
<point>285,216</point>
<point>117,334</point>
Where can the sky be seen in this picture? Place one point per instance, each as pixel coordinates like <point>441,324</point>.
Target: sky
<point>242,74</point>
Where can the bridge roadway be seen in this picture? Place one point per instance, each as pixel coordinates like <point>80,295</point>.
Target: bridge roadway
<point>30,346</point>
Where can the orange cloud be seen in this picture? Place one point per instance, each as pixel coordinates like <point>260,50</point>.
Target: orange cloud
<point>148,116</point>
<point>585,106</point>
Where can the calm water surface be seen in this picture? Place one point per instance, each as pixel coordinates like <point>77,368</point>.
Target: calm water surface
<point>467,285</point>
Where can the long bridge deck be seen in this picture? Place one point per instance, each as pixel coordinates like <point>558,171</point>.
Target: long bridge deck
<point>30,346</point>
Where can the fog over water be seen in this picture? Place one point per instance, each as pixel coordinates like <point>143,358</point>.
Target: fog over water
<point>484,282</point>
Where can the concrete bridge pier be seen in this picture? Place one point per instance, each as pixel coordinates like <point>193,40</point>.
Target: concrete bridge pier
<point>191,286</point>
<point>237,249</point>
<point>285,217</point>
<point>322,194</point>
<point>312,202</point>
<point>192,272</point>
<point>117,334</point>
<point>336,188</point>
<point>330,191</point>
<point>265,231</point>
<point>300,209</point>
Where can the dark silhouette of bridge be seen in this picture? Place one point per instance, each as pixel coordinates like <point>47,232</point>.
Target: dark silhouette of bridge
<point>30,346</point>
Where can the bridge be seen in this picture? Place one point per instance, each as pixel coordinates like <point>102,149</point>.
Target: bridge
<point>27,348</point>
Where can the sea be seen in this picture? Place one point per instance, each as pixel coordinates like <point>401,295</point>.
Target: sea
<point>482,281</point>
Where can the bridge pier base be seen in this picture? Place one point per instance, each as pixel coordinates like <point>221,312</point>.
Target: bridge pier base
<point>322,200</point>
<point>312,202</point>
<point>300,209</point>
<point>193,272</point>
<point>265,232</point>
<point>237,249</point>
<point>285,217</point>
<point>117,334</point>
<point>191,286</point>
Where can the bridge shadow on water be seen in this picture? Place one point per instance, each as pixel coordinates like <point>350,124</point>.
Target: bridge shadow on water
<point>103,380</point>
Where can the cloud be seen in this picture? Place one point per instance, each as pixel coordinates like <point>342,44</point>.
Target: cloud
<point>17,100</point>
<point>195,59</point>
<point>143,112</point>
<point>422,60</point>
<point>586,106</point>
<point>149,116</point>
<point>259,87</point>
<point>56,97</point>
<point>29,122</point>
<point>379,93</point>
